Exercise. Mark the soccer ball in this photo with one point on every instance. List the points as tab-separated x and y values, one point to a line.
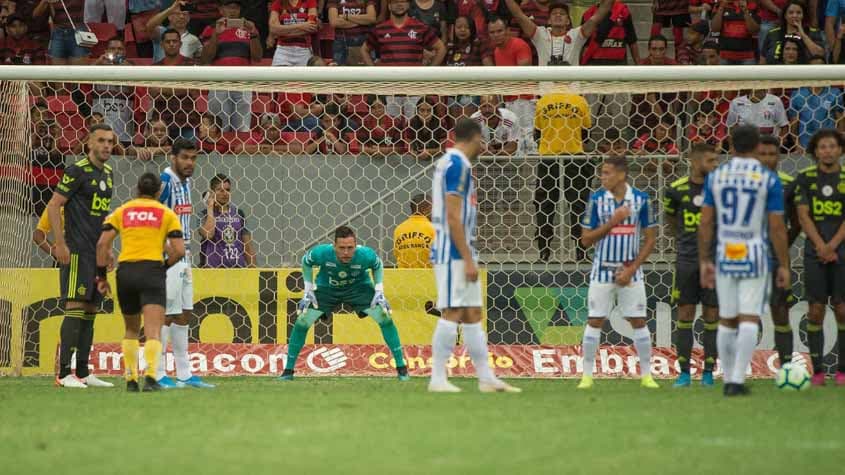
792	378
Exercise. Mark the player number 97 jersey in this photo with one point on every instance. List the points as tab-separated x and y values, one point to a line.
743	192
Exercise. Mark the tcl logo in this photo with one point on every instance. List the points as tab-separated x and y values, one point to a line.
142	217
183	209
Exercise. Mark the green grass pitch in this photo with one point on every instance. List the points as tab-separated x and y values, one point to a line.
381	426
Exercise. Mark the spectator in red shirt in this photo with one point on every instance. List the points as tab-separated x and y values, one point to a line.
511	51
707	127
690	51
293	22
507	50
674	13
737	22
17	48
380	134
659	141
401	40
211	139
657	52
351	20
232	41
612	39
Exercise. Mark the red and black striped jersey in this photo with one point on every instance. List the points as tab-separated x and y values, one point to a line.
232	46
75	8
291	15
401	45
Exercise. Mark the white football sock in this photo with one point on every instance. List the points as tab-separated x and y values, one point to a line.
476	342
746	341
589	346
726	344
442	344
642	342
161	371
179	342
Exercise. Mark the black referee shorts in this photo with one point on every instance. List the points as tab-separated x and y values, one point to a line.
141	283
687	289
823	282
77	280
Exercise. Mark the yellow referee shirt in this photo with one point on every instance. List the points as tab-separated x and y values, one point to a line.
560	118
143	224
412	241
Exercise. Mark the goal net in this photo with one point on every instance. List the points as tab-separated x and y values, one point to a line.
305	150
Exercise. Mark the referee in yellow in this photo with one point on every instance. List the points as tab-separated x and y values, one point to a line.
148	229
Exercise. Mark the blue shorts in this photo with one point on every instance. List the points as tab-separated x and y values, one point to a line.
63	45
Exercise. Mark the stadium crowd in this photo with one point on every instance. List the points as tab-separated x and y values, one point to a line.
418	33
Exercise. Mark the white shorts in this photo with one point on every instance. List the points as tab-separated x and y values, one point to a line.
291	56
631	299
747	296
180	289
453	291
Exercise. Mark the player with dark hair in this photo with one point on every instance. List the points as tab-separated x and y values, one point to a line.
768	152
819	196
344	278
743	209
682	206
619	218
147	229
83	197
455	215
176	195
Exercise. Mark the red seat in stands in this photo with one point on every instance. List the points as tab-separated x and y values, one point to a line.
61	104
104	32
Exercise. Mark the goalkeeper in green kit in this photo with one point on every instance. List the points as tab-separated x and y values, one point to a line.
344	278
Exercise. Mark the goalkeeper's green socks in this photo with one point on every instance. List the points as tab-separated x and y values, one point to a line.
391	338
295	344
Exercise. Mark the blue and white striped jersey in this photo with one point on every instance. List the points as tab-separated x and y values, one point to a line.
176	195
452	175
622	244
743	192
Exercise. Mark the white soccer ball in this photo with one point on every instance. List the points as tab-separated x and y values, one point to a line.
792	377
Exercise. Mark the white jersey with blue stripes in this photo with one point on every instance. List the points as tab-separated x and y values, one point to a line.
453	175
743	192
176	195
621	245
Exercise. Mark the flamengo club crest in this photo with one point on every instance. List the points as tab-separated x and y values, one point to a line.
698	200
412	34
827	190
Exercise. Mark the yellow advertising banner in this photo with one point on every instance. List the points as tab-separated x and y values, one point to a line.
230	306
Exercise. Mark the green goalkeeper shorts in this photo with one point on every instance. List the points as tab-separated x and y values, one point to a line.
357	297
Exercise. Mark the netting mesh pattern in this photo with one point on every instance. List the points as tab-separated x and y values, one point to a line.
15	209
302	161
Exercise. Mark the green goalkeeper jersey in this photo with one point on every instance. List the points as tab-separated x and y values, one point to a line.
336	275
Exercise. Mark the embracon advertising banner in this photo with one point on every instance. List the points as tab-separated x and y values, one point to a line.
534	318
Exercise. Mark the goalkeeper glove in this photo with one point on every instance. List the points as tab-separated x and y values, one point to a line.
309	299
379	299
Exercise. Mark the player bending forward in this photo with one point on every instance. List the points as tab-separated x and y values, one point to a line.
454	215
344	278
744	200
617	215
